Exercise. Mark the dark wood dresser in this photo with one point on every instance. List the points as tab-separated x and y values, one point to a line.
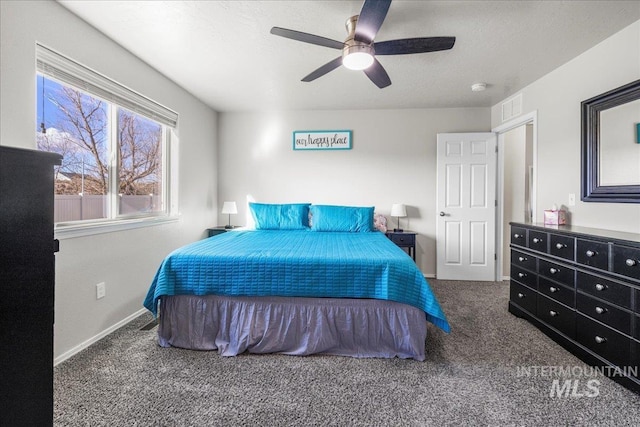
581	287
27	277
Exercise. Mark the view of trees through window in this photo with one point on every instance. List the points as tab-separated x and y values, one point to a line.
108	169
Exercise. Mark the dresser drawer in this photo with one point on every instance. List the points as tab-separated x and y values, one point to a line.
626	261
523	260
609	314
607	290
562	246
403	239
523	296
557	315
537	241
603	340
557	292
559	273
593	254
519	236
525	277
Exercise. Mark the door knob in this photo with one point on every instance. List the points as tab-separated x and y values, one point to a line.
442	214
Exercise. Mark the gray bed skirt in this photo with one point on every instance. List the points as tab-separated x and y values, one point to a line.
296	326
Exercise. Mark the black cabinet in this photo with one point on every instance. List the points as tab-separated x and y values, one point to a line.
27	275
581	287
214	231
405	239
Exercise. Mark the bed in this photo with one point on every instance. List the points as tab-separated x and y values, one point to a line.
298	286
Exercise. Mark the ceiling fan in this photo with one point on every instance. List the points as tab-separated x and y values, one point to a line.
359	49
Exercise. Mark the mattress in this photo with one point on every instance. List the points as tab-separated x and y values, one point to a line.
296	263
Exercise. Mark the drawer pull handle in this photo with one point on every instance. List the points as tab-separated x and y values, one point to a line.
553	270
553	313
600	287
590	253
515	236
560	245
600	310
630	262
536	240
521	295
553	289
522	259
600	340
521	275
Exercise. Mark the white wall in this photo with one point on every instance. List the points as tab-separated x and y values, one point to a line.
126	261
557	97
393	160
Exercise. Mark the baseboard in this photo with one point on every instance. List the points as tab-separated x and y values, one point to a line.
433	276
77	349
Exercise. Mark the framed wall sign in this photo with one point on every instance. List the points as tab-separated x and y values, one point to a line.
321	139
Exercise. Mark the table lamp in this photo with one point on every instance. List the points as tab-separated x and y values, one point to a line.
229	208
398	210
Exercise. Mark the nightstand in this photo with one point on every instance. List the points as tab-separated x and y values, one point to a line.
404	239
214	231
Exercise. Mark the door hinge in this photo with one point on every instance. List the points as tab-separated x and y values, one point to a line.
495	257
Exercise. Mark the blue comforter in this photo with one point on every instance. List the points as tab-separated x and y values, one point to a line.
296	264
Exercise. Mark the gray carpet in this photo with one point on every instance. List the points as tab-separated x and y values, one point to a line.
470	377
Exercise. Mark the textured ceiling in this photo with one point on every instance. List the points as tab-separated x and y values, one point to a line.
223	53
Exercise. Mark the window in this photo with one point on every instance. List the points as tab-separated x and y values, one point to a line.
114	143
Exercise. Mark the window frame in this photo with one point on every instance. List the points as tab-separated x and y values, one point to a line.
63	70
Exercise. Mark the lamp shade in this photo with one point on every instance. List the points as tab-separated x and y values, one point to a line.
398	210
229	208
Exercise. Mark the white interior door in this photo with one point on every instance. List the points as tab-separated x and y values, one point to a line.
466	215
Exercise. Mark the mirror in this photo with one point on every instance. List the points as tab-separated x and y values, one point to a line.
611	146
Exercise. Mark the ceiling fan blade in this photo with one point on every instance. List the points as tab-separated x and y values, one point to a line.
378	75
416	45
307	38
370	20
329	66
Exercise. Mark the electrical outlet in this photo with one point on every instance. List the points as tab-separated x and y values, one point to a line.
101	290
572	199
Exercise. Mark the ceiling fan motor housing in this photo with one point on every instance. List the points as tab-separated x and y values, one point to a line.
354	52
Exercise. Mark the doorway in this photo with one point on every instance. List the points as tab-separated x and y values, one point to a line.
517	148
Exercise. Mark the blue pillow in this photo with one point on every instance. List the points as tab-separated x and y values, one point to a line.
290	216
341	218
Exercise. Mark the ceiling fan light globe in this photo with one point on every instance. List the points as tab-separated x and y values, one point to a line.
357	60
